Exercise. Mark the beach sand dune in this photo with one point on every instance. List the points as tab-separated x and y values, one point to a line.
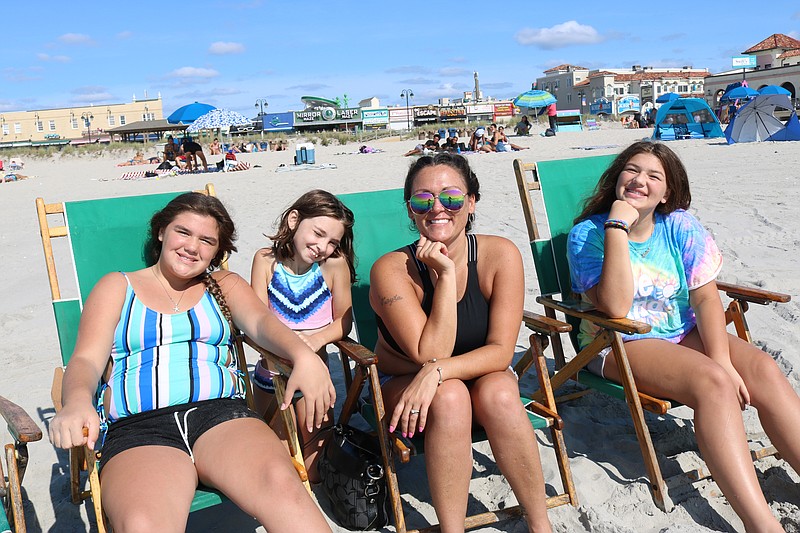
746	194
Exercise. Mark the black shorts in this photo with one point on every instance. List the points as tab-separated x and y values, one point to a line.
160	427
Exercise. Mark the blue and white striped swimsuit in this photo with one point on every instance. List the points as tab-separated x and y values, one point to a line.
161	360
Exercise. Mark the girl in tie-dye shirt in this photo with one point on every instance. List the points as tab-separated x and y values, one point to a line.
636	252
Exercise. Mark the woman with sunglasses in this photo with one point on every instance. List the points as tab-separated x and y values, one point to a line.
449	308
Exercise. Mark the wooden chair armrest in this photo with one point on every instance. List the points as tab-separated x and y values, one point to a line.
543	324
539	409
20	424
752	294
355	351
284	366
584	311
55	388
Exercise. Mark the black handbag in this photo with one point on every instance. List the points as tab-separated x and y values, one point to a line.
353	478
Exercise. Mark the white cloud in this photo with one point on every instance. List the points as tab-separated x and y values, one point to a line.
91	94
454	71
75	38
57	59
407	69
193	72
127	34
559	36
222	48
418	81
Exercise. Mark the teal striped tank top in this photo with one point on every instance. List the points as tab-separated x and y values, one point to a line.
161	360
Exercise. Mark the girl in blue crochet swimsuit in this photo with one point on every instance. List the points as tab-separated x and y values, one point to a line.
305	279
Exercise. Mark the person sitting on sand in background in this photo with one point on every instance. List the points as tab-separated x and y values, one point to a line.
192	150
477	143
523	127
174	320
313	247
448	310
636	252
215	148
172	153
503	144
430	146
451	145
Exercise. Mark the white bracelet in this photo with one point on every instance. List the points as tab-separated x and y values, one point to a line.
439	369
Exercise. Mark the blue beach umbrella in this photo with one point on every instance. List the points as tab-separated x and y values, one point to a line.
534	98
739	93
189	113
667	97
774	89
218	118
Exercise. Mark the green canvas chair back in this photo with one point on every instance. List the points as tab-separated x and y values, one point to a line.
565	185
381	225
105	235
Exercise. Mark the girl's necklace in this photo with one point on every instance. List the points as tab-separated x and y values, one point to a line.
175	305
649	245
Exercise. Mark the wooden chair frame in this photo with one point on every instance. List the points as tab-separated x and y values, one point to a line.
611	337
23	430
84	459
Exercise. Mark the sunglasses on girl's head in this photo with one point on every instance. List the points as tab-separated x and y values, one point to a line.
451	199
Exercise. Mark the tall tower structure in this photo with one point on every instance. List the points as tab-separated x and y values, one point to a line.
478	96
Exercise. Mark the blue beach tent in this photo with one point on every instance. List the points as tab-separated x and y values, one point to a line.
756	121
686	118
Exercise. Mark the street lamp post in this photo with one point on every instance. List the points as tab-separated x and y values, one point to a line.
261	103
407	93
87	119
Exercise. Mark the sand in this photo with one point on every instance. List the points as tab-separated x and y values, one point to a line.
745	194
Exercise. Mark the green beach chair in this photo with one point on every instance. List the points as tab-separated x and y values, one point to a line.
562	186
107	235
22	430
382	225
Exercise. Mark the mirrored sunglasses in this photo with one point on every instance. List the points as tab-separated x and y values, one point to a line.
451	199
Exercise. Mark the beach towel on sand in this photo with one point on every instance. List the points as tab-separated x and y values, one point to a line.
158	174
290	168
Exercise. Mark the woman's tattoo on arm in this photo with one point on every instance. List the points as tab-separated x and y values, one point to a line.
390	300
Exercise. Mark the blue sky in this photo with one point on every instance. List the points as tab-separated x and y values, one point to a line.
229	54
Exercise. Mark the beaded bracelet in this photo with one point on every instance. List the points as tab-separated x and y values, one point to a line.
615	223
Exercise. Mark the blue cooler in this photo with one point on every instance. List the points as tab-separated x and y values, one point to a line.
453	132
304	154
443	134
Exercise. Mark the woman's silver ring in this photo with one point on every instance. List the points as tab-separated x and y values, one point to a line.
415	411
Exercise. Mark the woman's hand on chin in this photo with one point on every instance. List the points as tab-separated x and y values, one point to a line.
434	254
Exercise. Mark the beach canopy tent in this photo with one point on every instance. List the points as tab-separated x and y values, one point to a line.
142	128
686	118
189	113
756	121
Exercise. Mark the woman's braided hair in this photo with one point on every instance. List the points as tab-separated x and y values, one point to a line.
204	205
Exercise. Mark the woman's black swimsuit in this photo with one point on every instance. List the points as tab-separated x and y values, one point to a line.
472	310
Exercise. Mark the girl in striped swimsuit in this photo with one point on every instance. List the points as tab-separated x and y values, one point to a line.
170	393
305	278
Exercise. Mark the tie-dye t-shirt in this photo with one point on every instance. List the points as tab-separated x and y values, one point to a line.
679	256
